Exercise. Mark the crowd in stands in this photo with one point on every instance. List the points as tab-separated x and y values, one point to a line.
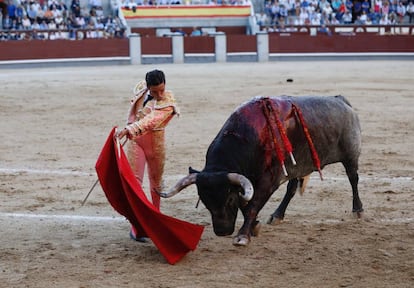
133	4
53	19
279	14
62	19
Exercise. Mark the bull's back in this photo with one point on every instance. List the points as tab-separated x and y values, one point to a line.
333	126
331	121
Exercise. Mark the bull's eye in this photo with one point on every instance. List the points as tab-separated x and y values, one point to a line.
231	199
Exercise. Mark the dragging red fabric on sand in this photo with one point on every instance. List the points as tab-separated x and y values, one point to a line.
174	238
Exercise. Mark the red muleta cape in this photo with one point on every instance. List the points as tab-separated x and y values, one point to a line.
173	237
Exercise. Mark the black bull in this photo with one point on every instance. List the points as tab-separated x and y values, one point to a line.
246	163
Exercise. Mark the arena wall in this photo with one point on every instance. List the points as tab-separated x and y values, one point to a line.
278	43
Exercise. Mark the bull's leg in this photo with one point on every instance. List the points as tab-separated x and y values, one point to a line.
352	173
251	225
279	213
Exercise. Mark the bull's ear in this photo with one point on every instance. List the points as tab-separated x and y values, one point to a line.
191	170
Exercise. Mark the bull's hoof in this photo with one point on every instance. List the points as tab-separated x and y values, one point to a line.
273	220
241	240
256	229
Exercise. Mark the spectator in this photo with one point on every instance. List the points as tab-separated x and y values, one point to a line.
368	21
304	4
119	28
35	25
315	17
114	8
274	13
59	20
283	11
11	11
40	15
363	18
357	10
327	9
334	19
55	12
392	18
80	22
377	6
290	6
27	25
410	12
48	14
393	6
75	8
52	25
61	6
385	9
131	5
349	4
95	3
336	4
347	18
62	33
196	32
91	33
366	6
282	25
32	13
384	20
20	11
321	4
340	12
358	21
374	16
262	19
43	25
35	5
401	11
16	26
7	22
324	30
304	17
110	27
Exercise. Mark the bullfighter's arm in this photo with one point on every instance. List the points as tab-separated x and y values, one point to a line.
152	121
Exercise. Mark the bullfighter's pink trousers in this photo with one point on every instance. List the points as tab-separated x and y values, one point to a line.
150	149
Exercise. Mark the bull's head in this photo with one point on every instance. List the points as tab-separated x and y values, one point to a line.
221	193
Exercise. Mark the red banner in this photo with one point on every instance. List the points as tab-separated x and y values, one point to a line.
173	237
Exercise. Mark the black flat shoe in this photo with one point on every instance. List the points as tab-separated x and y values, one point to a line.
138	239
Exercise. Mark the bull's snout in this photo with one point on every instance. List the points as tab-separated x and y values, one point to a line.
223	229
223	232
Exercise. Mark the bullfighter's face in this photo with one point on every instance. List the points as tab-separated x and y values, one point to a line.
157	91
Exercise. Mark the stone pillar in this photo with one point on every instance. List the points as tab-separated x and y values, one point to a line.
135	48
220	46
178	48
262	39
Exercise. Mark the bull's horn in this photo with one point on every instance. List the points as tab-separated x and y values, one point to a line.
186	181
244	183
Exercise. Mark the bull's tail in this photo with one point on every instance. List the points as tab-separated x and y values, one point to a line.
302	184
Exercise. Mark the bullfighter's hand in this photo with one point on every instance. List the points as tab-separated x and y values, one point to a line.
121	134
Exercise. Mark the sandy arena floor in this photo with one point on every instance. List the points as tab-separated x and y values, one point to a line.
55	120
